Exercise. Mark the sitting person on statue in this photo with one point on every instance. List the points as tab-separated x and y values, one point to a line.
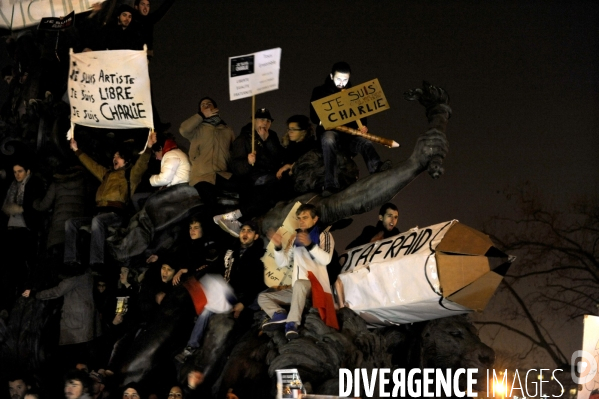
210	141
116	189
310	254
197	255
256	168
333	141
298	140
244	271
386	227
174	163
157	284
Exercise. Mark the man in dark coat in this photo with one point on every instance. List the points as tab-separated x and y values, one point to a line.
333	141
22	235
386	227
123	35
244	271
256	170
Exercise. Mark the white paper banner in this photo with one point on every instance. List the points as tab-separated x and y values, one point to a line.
110	89
274	275
253	74
411	242
17	15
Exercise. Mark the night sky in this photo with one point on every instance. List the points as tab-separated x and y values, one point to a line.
522	76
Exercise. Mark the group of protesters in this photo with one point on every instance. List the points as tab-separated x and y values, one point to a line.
57	229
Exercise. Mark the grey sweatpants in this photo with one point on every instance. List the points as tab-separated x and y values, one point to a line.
296	297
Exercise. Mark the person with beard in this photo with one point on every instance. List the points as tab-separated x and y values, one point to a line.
17	386
386	227
244	271
333	141
122	35
116	189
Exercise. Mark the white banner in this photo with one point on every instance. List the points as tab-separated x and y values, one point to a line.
15	14
110	89
274	275
253	74
410	242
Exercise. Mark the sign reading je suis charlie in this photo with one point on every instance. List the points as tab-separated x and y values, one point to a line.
351	104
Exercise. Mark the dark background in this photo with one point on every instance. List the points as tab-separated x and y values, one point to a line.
522	76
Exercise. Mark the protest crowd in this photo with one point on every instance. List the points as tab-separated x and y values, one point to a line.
69	199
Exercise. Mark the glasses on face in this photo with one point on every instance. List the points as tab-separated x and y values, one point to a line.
294	129
175	395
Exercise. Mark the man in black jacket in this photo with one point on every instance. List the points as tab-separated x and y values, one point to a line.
244	271
386	227
256	168
333	141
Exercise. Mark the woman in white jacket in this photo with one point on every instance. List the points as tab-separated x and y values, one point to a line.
174	165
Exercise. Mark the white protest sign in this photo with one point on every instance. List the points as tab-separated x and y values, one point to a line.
110	89
255	73
273	275
17	15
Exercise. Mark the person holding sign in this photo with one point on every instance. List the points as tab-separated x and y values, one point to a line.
310	254
256	169
116	188
333	141
210	140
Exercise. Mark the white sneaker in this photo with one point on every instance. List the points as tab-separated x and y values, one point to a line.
232	227
236	214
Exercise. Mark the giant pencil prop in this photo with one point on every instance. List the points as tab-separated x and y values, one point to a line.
377	139
422	274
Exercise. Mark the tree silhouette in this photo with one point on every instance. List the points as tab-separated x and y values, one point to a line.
557	271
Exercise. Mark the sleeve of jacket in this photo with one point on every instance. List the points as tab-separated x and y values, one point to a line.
284	257
188	126
139	169
65	286
323	253
44	204
239	157
168	168
95	168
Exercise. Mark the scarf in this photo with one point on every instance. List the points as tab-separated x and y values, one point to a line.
169	144
214	120
16	192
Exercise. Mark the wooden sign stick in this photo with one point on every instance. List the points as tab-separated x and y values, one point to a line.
253	122
377	139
